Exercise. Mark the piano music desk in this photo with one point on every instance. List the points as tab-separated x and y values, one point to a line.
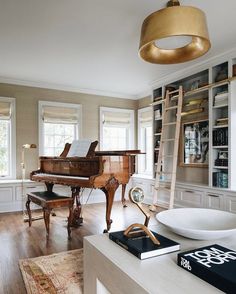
48	201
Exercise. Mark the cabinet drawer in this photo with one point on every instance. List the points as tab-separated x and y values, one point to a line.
191	198
6	194
214	201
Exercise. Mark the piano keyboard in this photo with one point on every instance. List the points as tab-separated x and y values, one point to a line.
61	176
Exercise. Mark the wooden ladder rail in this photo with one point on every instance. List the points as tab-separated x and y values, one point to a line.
165	141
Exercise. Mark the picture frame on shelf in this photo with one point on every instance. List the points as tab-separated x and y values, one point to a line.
223	154
194	143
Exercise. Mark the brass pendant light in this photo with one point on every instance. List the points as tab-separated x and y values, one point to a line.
184	25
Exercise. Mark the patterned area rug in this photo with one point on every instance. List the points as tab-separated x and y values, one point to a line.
60	273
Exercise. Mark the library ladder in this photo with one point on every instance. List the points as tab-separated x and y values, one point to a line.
171	119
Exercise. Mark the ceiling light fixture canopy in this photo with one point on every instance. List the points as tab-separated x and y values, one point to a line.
174	34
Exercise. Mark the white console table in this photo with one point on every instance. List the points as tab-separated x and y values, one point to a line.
108	268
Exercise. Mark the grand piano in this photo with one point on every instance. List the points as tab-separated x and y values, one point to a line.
105	170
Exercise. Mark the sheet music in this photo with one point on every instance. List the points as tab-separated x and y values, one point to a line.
79	148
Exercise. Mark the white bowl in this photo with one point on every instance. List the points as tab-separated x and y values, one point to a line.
199	223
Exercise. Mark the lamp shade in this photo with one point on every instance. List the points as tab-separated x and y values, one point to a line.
171	22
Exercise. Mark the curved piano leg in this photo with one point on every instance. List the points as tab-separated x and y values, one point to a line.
76	218
109	190
70	219
27	204
123	200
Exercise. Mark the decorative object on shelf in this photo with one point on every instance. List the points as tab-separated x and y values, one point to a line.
220	179
184	38
194	144
23	169
222	73
222	159
220	137
195	85
199	223
136	195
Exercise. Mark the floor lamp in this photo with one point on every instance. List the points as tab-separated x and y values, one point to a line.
23	169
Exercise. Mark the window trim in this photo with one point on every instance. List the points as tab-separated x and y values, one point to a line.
131	126
41	104
140	111
12	137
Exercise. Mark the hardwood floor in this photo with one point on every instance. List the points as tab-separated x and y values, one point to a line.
18	241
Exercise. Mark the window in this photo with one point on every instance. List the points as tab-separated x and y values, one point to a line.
116	129
145	161
7	138
59	123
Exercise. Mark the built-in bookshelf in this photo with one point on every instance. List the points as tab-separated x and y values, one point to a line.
209	96
219	171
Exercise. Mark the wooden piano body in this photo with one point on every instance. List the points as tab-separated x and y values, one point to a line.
105	170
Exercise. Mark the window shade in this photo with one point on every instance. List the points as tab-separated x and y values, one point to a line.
55	114
5	110
116	118
145	116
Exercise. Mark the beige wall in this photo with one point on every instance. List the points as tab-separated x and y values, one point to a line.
144	102
27	115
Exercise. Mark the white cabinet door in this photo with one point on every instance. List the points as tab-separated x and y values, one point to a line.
230	203
214	201
6	194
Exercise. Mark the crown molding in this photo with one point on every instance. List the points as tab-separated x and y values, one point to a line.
50	86
144	94
177	75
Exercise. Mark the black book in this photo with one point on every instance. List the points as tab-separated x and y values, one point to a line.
214	264
142	246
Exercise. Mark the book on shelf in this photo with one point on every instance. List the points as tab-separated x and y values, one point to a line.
143	247
221	95
221	99
214	264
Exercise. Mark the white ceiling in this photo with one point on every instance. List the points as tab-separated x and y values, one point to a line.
92	45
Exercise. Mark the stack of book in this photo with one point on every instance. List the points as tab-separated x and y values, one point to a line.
157	114
221	99
222	121
220	179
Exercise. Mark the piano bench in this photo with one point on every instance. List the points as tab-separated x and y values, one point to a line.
48	201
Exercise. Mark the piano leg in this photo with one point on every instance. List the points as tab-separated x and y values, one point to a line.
109	190
76	218
46	216
123	200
